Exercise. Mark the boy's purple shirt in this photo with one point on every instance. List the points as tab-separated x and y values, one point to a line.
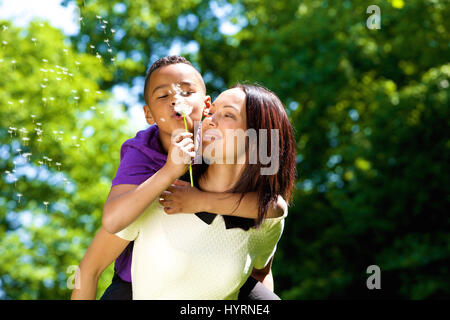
140	158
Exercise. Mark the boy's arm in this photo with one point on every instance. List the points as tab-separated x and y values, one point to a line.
181	197
102	251
126	202
264	275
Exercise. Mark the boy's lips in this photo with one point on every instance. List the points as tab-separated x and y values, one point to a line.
177	116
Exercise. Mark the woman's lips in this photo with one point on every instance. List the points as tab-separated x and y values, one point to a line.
207	136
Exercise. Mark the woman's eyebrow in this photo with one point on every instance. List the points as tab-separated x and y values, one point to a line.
233	107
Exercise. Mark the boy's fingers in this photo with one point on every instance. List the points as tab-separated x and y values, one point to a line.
181	183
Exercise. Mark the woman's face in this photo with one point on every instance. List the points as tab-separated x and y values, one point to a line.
223	131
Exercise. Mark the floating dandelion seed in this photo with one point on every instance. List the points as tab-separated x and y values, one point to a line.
18	150
33	117
112	59
13	129
46	203
76	98
10	133
21	101
58	165
65	51
44	60
112	30
43	86
58	79
98	56
106	41
110	50
40	163
18	196
13	62
25	140
5	28
77	145
98	92
86	90
5	42
93	108
104	29
45	79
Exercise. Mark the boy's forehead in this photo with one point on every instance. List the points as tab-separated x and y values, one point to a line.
176	73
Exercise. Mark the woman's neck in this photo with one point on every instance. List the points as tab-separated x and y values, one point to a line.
221	177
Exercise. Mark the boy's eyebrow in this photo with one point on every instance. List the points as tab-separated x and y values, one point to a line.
182	83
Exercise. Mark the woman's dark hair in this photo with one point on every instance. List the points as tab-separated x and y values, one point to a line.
265	111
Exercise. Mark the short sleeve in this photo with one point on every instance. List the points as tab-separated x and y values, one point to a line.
134	167
131	232
270	233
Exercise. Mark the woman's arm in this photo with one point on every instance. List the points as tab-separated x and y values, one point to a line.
181	197
102	251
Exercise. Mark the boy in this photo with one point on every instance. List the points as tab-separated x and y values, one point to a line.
146	171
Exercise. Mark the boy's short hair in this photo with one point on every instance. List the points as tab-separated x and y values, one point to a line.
164	61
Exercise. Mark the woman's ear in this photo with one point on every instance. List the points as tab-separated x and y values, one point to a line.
148	115
207	106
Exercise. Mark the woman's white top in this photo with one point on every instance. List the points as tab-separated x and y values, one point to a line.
180	256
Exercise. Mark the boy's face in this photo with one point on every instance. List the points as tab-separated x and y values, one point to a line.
161	97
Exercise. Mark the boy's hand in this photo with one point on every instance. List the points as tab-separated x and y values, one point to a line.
180	155
180	197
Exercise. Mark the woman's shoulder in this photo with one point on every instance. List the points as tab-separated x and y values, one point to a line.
279	209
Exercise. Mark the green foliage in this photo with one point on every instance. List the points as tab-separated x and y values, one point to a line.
64	141
370	110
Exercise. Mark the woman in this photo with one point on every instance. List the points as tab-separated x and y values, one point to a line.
212	257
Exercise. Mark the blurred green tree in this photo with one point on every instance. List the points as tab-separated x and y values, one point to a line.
59	151
369	109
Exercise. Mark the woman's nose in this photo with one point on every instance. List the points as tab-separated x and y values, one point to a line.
212	121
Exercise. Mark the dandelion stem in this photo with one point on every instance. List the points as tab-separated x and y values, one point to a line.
190	165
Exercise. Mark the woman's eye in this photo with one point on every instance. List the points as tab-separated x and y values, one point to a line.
162	97
228	115
187	93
